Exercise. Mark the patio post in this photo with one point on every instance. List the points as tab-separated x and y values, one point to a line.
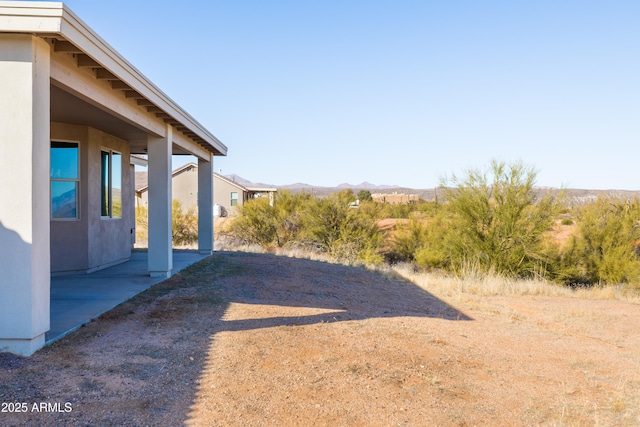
160	231
25	63
205	205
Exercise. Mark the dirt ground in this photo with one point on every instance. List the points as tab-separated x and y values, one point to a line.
255	339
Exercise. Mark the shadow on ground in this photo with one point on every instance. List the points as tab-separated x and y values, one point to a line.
140	363
353	293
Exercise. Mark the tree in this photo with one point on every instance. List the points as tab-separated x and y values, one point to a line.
605	248
184	224
364	196
498	222
270	226
348	234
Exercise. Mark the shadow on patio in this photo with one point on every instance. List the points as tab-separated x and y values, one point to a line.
78	299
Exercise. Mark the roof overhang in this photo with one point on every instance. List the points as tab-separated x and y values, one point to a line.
54	21
262	189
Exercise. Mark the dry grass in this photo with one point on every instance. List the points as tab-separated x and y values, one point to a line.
469	283
493	285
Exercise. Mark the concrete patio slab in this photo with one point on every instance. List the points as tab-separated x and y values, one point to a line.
77	299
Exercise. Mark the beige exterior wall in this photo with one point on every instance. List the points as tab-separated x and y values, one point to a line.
185	188
92	242
395	198
222	195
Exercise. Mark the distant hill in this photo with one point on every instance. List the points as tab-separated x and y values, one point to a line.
366	186
575	196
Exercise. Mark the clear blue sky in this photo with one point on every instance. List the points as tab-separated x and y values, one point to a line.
396	92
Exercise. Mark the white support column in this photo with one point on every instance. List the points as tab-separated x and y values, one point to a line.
24	193
205	205
160	251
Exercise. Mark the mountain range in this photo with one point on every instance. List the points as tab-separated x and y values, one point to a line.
575	196
426	194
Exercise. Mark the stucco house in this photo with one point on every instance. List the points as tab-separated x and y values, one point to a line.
73	112
227	194
395	198
184	186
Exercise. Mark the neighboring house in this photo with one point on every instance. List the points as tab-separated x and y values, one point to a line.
395	198
74	111
184	187
227	193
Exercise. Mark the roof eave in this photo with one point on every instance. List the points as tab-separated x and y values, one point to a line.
54	18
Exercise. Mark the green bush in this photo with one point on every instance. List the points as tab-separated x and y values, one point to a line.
435	254
184	225
255	223
269	226
330	224
423	241
605	247
344	232
399	210
408	240
497	221
364	196
142	224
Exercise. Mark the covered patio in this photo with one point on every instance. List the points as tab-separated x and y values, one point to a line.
75	111
78	299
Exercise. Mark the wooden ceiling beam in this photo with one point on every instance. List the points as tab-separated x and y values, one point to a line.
102	74
132	94
65	47
119	85
87	61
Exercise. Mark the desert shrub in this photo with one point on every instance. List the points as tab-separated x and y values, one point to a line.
372	210
566	221
142	224
400	210
289	209
423	241
497	220
184	224
604	251
421	208
364	196
255	223
258	222
427	209
323	221
346	233
410	238
435	254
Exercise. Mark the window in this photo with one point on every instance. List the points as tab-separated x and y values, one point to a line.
234	198
65	180
111	184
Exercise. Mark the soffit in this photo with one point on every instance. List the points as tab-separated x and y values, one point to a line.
70	36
